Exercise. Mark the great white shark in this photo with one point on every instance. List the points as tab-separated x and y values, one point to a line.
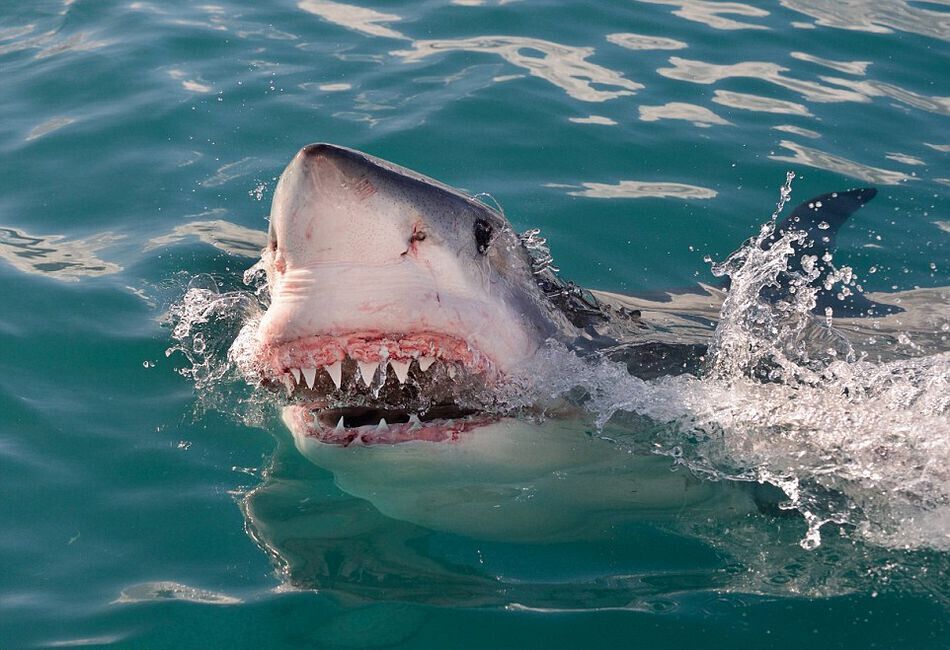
402	316
401	307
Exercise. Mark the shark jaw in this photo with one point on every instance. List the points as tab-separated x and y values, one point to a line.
366	388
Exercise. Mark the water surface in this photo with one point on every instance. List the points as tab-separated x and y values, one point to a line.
140	146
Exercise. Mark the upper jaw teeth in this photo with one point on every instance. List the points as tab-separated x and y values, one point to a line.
335	370
401	368
366	370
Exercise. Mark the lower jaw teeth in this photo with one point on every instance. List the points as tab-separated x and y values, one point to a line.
368	421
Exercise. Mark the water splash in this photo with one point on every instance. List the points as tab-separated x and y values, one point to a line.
783	398
207	326
849	441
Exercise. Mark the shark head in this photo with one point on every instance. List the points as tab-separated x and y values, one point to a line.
398	304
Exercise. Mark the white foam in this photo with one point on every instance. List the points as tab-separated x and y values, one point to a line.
849	440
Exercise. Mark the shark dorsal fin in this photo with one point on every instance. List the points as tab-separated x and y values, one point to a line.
820	218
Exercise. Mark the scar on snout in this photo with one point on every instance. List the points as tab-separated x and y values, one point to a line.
418	235
364	189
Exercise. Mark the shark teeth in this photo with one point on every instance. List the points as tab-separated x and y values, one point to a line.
401	368
335	370
367	371
309	375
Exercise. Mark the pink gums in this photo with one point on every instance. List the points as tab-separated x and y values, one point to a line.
318	351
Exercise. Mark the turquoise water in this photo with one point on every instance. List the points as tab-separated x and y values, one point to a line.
139	512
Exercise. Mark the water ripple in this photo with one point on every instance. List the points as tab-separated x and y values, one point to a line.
848	67
697	115
230	171
904	158
700	72
593	119
191	85
630	189
876	17
358	19
167	590
758	103
562	65
712	13
55	256
50	125
12	33
223	235
641	42
871	88
797	130
815	158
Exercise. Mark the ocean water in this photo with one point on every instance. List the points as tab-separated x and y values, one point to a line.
151	498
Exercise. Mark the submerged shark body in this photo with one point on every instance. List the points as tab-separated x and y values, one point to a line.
402	308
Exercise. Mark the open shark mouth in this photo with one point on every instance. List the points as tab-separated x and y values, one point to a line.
369	388
366	426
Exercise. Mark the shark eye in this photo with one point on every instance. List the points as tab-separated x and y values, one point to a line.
483	235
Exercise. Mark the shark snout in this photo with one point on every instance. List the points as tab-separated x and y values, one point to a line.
328	208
